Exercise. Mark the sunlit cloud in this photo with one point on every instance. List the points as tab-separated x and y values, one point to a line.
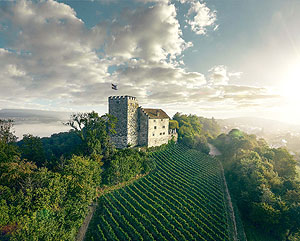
201	17
54	61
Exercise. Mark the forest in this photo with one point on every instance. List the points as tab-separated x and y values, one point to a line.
264	184
47	184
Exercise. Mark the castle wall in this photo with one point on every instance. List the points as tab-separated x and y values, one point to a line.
132	124
118	108
158	132
143	128
125	109
173	135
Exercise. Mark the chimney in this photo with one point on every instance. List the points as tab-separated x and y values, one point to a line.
157	113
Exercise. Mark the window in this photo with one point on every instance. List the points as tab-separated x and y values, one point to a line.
154	121
160	133
164	126
154	127
164	133
153	134
161	119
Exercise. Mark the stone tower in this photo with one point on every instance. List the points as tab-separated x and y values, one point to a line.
125	108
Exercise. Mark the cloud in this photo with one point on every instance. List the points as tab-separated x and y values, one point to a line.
152	34
53	60
202	17
52	53
235	74
218	75
151	1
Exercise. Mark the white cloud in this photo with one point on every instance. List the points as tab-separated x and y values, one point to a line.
152	34
52	55
13	71
235	74
52	59
202	17
151	1
218	75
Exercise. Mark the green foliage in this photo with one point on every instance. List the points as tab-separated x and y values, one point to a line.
6	132
32	150
39	204
284	163
195	131
94	133
60	146
173	124
126	164
262	181
46	205
8	150
45	189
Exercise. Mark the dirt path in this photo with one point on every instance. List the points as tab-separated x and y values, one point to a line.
82	231
92	208
213	151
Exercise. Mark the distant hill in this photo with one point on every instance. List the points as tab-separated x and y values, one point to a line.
276	133
27	116
255	123
36	122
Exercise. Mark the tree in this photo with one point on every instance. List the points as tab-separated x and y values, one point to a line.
262	181
32	149
195	131
294	220
284	163
173	124
6	132
8	150
94	132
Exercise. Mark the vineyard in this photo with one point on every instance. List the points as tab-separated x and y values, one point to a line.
183	199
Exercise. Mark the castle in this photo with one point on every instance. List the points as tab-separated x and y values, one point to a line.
137	126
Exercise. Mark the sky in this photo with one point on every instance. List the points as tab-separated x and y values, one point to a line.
211	58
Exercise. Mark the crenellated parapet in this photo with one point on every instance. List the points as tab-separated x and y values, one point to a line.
137	125
125	108
122	97
143	111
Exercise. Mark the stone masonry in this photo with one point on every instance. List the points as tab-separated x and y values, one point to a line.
137	126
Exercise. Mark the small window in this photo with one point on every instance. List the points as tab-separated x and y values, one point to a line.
154	121
161	119
154	127
164	126
163	133
160	133
153	134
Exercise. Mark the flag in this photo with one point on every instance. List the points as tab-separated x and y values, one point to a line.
114	87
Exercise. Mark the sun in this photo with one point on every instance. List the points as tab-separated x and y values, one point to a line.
291	86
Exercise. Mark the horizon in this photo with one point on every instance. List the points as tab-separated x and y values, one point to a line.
209	58
31	121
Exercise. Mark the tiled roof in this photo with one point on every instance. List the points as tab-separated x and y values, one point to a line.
156	113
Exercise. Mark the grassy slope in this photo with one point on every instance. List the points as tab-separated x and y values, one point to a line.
182	199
